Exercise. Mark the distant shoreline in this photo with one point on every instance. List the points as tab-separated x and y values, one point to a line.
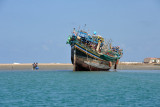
42	66
68	66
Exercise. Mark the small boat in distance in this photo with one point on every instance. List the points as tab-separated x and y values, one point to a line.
92	53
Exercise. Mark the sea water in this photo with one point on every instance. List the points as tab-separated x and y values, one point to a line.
80	89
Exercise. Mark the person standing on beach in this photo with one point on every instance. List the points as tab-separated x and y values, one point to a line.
35	66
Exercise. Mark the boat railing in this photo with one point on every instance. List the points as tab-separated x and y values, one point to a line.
91	47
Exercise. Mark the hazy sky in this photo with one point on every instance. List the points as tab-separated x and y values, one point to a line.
37	30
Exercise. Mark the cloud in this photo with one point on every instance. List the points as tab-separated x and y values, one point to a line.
45	47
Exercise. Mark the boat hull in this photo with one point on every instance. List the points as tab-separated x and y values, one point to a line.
84	60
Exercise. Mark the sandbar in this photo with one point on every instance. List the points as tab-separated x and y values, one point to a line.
68	66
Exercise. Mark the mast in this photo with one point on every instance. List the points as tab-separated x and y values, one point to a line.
99	43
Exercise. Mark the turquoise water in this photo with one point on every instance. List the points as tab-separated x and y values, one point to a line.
80	89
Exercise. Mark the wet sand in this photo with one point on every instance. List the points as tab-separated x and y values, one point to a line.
140	66
42	66
53	66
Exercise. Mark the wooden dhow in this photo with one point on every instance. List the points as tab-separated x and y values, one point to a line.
92	53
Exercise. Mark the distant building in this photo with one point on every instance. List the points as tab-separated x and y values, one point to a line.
152	60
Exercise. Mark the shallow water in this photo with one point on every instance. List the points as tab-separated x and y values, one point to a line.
80	89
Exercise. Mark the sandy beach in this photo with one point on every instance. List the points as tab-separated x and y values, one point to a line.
42	66
138	66
54	66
